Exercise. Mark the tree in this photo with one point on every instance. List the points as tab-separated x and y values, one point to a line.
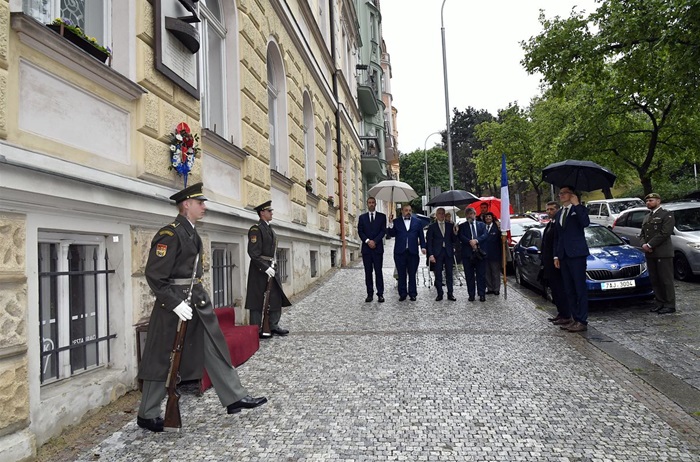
628	74
464	145
413	171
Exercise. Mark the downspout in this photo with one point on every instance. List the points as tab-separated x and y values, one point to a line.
338	141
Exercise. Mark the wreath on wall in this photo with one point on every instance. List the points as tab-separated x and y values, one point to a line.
183	149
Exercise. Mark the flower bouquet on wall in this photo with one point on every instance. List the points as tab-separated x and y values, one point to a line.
183	149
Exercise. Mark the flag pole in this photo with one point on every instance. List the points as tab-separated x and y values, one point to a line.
505	221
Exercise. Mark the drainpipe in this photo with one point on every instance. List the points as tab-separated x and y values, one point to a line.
338	141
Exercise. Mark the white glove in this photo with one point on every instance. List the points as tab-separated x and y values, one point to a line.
270	272
183	311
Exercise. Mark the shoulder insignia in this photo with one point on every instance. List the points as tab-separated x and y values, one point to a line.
161	250
174	224
254	238
166	232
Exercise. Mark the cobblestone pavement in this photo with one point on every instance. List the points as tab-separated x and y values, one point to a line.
424	381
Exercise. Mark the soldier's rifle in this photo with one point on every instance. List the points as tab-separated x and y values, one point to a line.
173	421
266	299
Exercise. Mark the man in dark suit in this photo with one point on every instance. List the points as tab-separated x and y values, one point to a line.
169	269
441	237
471	234
371	227
570	254
551	276
408	232
657	229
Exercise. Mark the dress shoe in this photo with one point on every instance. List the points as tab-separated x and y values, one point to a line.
368	299
402	298
438	298
489	292
155	425
482	298
413	299
279	331
657	308
247	402
451	298
567	325
562	321
578	327
380	298
666	310
497	293
263	335
555	318
471	299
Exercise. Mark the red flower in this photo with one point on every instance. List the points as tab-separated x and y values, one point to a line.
182	126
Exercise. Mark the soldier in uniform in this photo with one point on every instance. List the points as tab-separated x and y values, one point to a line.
657	229
169	273
262	245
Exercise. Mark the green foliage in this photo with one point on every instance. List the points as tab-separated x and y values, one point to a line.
413	171
67	24
465	144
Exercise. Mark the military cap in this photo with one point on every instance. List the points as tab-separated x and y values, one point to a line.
652	196
190	192
264	206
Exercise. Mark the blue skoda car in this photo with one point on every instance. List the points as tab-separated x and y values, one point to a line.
615	269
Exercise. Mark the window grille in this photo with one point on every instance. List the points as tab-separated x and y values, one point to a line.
313	258
282	264
222	277
333	252
73	308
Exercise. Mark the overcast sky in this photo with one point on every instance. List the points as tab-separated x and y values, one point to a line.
483	58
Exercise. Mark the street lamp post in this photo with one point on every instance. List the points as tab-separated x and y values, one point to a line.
425	153
447	98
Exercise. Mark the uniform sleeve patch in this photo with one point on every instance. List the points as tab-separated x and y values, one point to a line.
161	250
166	232
253	238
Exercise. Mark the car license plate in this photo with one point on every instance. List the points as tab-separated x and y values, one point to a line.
617	284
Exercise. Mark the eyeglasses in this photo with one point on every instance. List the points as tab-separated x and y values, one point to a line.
564	193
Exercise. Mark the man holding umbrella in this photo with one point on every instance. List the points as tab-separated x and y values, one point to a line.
408	232
570	254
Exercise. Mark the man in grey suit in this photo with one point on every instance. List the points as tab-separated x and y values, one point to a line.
657	229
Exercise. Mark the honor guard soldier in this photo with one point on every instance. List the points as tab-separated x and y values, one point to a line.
169	273
262	248
657	229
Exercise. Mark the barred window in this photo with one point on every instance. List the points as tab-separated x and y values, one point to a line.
73	305
282	264
222	269
313	263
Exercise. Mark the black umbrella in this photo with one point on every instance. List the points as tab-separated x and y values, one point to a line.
582	175
453	197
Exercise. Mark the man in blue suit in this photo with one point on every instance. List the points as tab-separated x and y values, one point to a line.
570	254
441	238
471	234
371	228
408	232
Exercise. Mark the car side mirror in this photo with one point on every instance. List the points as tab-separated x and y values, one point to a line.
625	239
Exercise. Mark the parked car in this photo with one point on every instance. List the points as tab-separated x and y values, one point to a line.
686	235
518	227
615	269
605	211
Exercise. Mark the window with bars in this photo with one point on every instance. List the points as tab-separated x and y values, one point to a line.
313	263
222	270
282	264
73	305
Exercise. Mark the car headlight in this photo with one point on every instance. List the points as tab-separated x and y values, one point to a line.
694	245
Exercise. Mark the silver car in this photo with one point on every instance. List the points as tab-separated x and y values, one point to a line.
686	234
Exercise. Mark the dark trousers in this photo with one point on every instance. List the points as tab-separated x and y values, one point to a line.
407	265
573	274
442	260
661	275
373	262
475	274
553	281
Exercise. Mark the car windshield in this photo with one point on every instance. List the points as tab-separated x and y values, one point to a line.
687	219
600	236
621	206
518	228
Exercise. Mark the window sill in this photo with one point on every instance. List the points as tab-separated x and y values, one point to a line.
280	181
37	36
221	144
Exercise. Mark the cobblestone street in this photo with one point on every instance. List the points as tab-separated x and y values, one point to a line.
421	381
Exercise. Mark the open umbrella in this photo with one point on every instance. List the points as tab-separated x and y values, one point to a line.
392	191
453	197
582	175
494	204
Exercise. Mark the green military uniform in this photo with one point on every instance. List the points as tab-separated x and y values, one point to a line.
168	272
657	229
262	243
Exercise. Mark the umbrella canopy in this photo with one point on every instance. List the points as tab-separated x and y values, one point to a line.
582	175
392	191
453	197
494	204
424	219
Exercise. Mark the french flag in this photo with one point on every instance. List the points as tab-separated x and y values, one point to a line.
505	199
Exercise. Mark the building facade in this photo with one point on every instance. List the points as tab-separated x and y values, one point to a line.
269	87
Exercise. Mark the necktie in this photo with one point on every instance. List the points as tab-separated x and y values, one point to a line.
371	217
488	229
473	230
564	215
442	227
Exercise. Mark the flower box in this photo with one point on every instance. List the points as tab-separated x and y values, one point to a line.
79	41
